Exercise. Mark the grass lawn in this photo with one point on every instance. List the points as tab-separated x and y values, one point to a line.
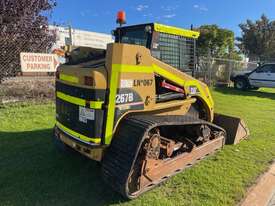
33	172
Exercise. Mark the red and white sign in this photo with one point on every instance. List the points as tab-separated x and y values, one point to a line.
38	62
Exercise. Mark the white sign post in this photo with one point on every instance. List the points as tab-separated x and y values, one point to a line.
38	62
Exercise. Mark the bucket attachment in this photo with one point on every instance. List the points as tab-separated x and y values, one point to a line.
235	127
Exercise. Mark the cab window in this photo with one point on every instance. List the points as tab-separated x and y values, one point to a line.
177	51
270	68
136	36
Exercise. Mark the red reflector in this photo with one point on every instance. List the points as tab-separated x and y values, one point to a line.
89	81
171	87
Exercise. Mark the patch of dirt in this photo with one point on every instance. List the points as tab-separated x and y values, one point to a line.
27	88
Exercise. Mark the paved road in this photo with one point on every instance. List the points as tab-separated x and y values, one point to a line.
260	194
272	201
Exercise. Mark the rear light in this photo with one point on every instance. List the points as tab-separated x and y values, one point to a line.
89	81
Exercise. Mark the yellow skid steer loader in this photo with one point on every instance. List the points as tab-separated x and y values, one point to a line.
136	108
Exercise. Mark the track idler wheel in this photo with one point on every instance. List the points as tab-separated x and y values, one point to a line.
153	147
204	133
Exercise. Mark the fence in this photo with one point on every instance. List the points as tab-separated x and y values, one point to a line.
12	44
218	71
209	70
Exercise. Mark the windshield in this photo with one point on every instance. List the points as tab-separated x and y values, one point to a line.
132	36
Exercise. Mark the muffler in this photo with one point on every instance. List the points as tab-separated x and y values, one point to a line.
235	127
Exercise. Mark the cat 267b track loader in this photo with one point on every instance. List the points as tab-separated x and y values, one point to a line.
136	108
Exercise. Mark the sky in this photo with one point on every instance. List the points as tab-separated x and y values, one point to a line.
100	15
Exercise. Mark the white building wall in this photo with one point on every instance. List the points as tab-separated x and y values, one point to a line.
81	38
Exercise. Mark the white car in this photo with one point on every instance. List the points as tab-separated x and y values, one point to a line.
263	76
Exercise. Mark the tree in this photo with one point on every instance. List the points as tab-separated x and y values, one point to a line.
258	39
23	28
217	42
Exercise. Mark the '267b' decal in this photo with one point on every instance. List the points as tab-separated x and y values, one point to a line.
124	98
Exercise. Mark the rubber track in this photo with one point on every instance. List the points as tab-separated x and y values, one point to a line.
121	155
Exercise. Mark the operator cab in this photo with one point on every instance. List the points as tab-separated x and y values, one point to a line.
172	45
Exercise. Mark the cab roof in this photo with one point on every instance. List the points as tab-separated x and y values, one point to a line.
168	30
176	31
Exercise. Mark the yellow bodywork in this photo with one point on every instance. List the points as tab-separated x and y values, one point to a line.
124	66
128	63
176	31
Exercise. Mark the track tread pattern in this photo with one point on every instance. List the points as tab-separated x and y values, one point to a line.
124	149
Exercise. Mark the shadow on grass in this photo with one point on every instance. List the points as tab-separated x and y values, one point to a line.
255	93
33	172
